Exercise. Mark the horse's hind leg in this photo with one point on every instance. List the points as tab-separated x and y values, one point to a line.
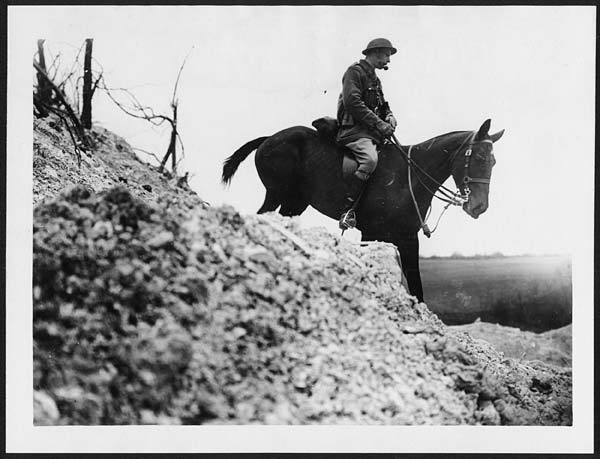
271	202
293	207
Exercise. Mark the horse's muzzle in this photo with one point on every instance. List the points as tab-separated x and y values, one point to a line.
475	211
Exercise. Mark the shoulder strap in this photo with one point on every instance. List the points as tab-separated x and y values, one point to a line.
365	67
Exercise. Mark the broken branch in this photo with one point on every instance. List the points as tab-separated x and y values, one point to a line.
63	101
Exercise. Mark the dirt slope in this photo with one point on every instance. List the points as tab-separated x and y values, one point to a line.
151	307
552	347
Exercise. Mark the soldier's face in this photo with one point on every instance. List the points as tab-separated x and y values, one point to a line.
382	58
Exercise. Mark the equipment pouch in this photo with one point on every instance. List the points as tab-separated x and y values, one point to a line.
371	97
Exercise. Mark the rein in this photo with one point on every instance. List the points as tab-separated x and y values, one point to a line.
451	198
424	226
446	192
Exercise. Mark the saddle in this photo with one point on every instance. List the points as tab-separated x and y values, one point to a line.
327	127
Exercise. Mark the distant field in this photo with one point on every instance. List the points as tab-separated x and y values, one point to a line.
529	292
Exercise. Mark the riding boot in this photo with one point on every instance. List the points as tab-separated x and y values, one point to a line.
354	189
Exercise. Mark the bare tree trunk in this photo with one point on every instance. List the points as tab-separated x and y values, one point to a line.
174	139
86	111
44	91
172	143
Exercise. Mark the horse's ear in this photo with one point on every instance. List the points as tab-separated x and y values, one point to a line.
483	130
497	135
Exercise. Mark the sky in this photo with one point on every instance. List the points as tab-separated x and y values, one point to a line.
252	71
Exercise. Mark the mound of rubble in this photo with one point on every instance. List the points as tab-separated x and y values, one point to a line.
151	307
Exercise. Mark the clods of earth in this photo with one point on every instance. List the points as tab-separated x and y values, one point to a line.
151	307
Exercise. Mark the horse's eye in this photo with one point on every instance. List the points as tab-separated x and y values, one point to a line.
485	158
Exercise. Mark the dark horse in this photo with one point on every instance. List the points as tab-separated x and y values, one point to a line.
300	167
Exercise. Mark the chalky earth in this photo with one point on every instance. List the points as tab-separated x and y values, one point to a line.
152	307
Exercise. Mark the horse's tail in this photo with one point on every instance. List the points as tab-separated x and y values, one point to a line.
231	164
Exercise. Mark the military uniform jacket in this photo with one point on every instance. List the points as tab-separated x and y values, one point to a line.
362	108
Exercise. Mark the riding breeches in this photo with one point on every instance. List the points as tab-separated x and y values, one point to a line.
365	152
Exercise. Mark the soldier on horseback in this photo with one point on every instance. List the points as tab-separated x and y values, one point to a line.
365	120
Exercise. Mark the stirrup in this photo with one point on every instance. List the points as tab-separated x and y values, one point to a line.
348	220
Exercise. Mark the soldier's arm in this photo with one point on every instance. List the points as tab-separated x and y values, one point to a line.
353	103
388	110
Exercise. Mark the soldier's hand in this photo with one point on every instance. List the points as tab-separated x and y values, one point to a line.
391	120
386	129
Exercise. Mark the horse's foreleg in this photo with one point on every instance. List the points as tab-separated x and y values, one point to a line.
409	255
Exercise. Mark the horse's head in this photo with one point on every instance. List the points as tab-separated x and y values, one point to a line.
472	169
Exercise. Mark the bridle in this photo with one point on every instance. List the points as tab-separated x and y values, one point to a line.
467	178
456	198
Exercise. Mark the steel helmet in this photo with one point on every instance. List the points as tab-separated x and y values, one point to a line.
379	43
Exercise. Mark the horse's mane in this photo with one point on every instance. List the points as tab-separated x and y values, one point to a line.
433	139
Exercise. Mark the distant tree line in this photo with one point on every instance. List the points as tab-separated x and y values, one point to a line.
460	256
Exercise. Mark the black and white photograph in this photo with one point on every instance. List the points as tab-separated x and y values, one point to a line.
244	228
